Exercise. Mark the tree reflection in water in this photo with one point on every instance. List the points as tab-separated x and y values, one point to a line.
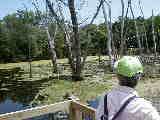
16	93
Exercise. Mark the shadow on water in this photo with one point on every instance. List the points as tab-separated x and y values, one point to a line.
16	94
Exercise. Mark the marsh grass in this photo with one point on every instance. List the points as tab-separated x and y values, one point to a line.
55	86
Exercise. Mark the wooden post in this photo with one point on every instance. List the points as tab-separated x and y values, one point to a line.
75	112
79	111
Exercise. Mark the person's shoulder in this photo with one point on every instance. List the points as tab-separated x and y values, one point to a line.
141	105
148	110
143	108
143	102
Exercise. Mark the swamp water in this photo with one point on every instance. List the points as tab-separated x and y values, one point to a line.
17	93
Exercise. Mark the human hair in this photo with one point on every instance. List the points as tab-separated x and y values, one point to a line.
128	81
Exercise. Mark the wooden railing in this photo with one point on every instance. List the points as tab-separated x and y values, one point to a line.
79	111
75	110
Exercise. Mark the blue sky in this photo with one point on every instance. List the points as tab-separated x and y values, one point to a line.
10	6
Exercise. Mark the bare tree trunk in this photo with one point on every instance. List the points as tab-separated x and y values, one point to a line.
51	44
30	59
109	34
73	48
51	40
67	38
146	39
122	29
135	23
77	72
69	50
145	34
123	34
75	61
29	51
137	36
154	37
98	9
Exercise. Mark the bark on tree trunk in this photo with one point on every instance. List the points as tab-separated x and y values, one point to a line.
67	41
143	24
69	51
154	37
122	30
30	59
135	23
51	44
77	49
51	40
137	36
74	63
146	40
109	29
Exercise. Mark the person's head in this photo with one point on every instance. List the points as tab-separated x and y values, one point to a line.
129	70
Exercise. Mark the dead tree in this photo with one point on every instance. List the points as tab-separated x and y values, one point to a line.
137	31
52	49
154	37
122	29
72	40
74	60
109	33
76	40
144	28
51	39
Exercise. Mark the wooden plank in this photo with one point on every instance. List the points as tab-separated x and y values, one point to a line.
78	115
37	111
82	106
77	110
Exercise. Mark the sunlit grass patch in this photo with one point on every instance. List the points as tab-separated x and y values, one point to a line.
56	86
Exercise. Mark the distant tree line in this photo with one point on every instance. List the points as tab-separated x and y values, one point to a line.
21	30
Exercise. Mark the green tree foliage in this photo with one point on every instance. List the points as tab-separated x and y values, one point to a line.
18	29
4	44
98	39
130	33
157	32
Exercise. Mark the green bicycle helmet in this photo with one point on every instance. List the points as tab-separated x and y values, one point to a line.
128	66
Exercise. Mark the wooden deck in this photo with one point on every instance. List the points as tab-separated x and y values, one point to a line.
76	111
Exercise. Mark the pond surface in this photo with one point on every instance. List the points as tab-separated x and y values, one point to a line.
10	106
17	94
